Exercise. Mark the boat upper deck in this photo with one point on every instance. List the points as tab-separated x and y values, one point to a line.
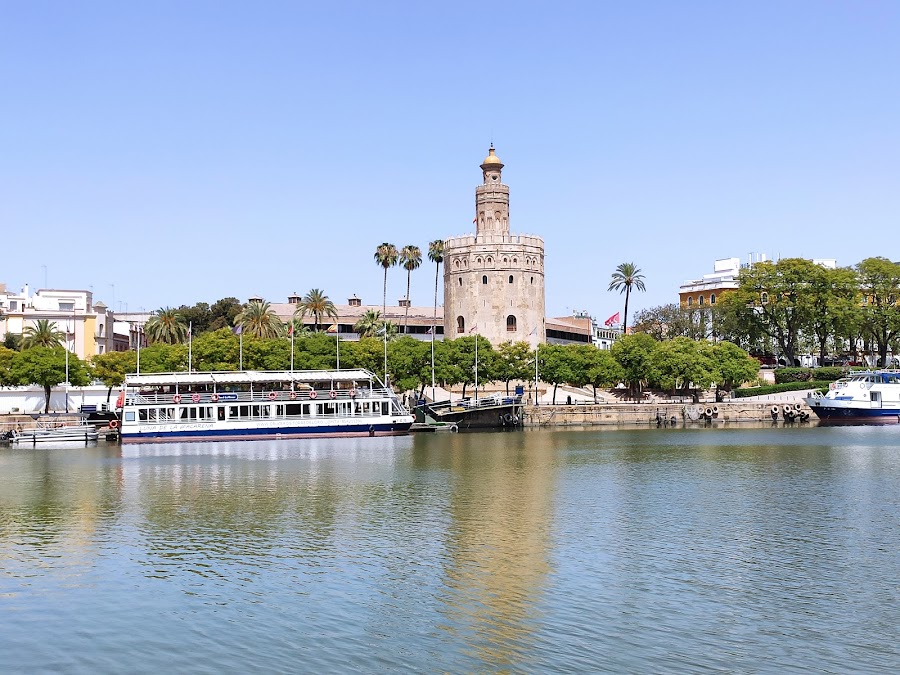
249	378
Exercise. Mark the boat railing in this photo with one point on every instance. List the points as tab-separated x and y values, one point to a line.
273	396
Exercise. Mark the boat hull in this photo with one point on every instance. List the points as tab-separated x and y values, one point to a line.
270	433
851	410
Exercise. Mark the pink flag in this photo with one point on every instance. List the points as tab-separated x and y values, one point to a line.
614	319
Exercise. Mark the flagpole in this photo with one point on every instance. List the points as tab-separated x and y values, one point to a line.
292	348
432	362
337	338
385	355
241	348
536	374
476	367
190	342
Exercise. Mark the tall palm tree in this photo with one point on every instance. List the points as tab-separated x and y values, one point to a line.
386	256
315	302
369	323
435	255
42	334
166	325
260	320
410	259
626	276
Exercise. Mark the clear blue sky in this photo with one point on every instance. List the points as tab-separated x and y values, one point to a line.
187	151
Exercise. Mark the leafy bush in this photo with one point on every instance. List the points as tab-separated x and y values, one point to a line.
785	375
829	373
779	388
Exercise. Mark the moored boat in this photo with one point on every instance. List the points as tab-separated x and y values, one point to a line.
864	395
67	433
236	405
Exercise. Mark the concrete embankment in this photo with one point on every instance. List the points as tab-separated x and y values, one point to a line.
649	413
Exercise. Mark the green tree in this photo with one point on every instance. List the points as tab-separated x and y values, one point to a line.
112	367
732	366
463	352
410	259
834	296
555	366
216	350
223	313
774	299
46	367
665	322
369	323
43	333
515	361
166	326
197	317
409	362
386	256
317	304
681	364
435	255
626	277
13	341
260	320
633	353
160	357
880	284
7	358
603	370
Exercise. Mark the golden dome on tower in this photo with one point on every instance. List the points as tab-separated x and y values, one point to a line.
491	160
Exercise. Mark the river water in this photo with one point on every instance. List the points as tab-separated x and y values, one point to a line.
741	550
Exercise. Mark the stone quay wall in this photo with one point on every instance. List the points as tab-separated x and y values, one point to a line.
647	413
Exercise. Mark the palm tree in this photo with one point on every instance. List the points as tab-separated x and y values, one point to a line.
435	255
260	320
410	259
369	323
167	326
42	334
626	276
386	256
315	302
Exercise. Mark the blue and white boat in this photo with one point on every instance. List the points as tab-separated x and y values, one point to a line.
864	395
236	405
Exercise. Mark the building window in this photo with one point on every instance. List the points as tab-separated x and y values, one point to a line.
700	300
460	281
66	306
690	302
484	278
13	305
532	279
764	298
712	298
511	324
510	278
460	325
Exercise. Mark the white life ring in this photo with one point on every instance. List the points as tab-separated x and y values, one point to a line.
831	385
114	424
176	398
293	395
333	393
195	398
273	395
312	393
353	393
214	398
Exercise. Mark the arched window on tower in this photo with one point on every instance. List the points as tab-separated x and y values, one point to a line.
510	278
690	302
460	325
484	278
511	324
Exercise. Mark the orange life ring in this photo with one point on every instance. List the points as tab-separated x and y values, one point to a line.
273	395
312	393
195	398
114	424
293	395
176	398
333	394
214	398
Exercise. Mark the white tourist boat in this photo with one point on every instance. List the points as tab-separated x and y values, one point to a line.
245	404
864	395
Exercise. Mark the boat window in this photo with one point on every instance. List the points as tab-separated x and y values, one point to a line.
129	416
221	414
142	414
265	411
306	410
384	408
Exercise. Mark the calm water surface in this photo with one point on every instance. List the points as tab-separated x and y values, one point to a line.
624	551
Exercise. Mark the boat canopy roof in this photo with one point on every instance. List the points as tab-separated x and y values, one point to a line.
247	377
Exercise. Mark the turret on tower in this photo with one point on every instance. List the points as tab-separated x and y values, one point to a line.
492	198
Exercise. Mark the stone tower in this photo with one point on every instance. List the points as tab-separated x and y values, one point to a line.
494	280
